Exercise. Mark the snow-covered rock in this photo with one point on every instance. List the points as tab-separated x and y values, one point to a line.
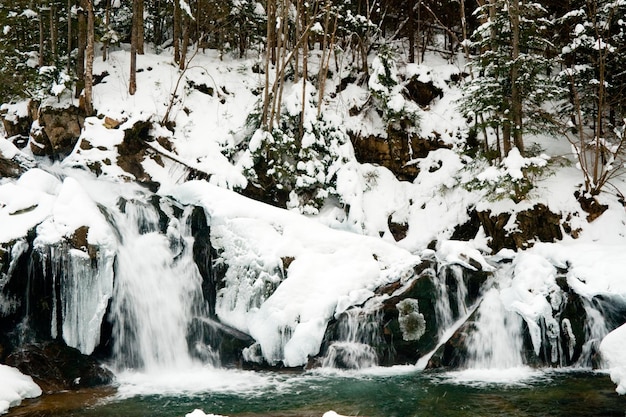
14	387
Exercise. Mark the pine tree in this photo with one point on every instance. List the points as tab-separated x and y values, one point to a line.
511	68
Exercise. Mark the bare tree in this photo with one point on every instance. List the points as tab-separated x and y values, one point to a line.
132	85
88	6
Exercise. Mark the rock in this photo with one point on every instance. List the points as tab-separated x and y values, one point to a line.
422	93
398	230
110	123
17	120
56	367
57	131
133	150
591	206
537	223
393	151
9	168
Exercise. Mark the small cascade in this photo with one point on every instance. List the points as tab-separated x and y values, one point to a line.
451	296
358	331
496	342
596	328
158	291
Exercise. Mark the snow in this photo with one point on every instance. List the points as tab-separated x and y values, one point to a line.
338	256
329	268
612	349
14	387
200	413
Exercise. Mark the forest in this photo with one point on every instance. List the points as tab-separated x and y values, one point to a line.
198	195
532	67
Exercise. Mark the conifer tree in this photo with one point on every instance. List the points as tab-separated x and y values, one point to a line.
511	68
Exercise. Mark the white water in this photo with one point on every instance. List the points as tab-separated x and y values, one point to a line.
443	307
358	331
157	290
497	340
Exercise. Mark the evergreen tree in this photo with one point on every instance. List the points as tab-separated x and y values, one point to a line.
512	71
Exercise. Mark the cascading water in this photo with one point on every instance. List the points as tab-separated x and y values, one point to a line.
596	329
158	291
496	342
358	332
449	305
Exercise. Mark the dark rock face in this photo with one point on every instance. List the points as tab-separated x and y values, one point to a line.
538	223
17	128
407	324
393	152
9	168
58	132
422	93
55	367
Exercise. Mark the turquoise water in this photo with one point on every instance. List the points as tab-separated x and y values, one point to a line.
381	393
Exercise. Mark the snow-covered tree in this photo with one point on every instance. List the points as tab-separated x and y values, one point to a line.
596	83
512	80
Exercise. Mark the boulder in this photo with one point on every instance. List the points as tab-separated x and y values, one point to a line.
537	223
57	131
56	367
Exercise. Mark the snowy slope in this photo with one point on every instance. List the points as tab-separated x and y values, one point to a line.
337	258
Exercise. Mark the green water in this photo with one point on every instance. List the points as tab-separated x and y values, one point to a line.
405	394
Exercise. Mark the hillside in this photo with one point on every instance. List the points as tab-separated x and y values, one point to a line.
351	233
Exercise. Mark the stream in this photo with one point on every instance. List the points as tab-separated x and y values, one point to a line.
377	392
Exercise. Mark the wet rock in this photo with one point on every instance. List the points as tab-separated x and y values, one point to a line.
216	343
55	367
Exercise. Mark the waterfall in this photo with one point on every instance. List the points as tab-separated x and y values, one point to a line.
451	293
158	291
596	329
496	342
358	332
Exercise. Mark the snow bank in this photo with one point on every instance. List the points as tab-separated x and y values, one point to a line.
612	350
14	387
287	311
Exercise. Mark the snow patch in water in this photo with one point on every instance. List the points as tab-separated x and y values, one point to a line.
194	380
518	376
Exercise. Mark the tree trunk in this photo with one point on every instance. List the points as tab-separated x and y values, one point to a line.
185	45
176	31
515	114
107	21
140	27
54	32
132	85
80	57
410	28
42	37
88	6
69	36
